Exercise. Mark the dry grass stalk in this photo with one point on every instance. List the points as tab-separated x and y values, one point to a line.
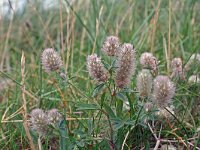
61	31
154	22
169	38
25	116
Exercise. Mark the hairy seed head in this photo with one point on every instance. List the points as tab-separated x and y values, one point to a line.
163	91
54	117
177	70
111	45
51	61
125	65
39	121
144	83
96	68
147	60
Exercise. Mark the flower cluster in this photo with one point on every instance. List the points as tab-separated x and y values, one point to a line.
111	45
148	61
163	91
96	68
144	83
40	120
125	65
51	61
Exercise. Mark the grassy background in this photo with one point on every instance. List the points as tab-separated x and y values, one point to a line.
169	29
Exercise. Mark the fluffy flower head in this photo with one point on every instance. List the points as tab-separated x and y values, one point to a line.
96	68
147	60
144	83
54	116
39	121
163	91
125	65
51	61
177	70
111	45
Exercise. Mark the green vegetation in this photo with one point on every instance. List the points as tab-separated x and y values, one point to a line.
98	115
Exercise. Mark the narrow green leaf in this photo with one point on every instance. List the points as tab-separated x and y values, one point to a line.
84	106
122	97
117	123
64	138
109	111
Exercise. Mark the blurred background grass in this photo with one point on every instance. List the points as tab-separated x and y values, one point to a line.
77	28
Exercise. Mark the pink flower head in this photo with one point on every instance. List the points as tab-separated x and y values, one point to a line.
96	68
163	91
177	70
39	121
147	60
144	83
111	45
51	61
125	65
54	116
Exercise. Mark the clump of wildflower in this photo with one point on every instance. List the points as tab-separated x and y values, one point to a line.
144	83
147	60
195	58
163	91
39	121
51	61
96	68
111	45
177	70
194	79
54	117
125	65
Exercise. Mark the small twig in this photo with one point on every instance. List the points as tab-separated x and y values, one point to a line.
154	22
25	116
12	121
155	136
175	141
39	143
169	141
158	140
157	144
